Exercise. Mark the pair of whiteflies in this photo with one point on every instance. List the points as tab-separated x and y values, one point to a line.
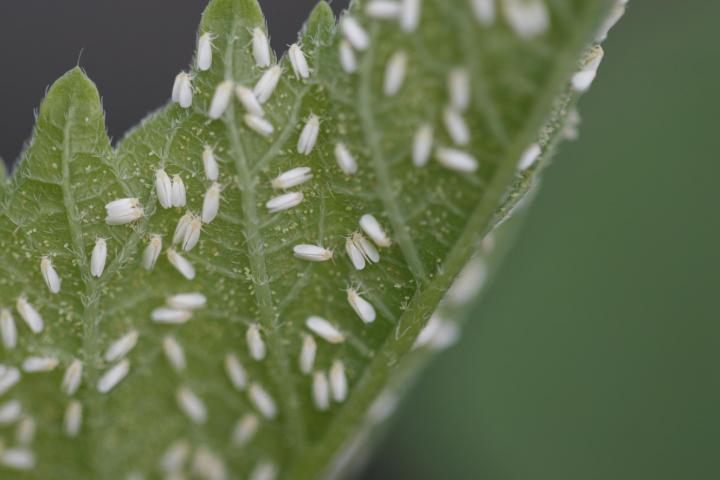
31	317
357	247
179	308
333	385
170	192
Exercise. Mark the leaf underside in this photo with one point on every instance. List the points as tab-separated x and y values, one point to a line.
54	206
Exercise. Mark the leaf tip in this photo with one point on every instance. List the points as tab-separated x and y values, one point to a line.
320	22
248	10
73	84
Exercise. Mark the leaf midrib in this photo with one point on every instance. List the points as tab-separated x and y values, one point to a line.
278	358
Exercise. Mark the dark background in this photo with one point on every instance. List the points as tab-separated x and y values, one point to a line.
132	50
595	353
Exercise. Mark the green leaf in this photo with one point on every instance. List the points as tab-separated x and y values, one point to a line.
54	211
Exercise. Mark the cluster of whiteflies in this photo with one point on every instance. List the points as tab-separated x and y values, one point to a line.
408	13
527	18
22	457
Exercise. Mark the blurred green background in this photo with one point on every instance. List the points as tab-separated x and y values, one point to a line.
594	354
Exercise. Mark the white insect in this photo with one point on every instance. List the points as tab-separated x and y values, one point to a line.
446	336
175	458
152	252
204	51
98	257
338	381
468	283
210	163
321	391
72	378
383	9
361	250
309	135
354	33
307	354
374	230
324	329
31	316
178	196
284	201
245	429
174	354
437	334
484	11
366	248
8	331
348	60
192	234
395	72
170	316
211	203
264	471
362	307
124	210
40	364
298	61
182	92
208	466
258	124
528	18
261	48
163	188
582	80
458	84
345	159
191	405
73	418
265	87
113	376
249	101
312	253
383	407
356	256
456	160
456	126
292	178
9	377
255	343
25	432
570	130
10	412
409	15
221	99
181	264
422	145
428	332
529	157
187	301
49	274
122	346
235	371
262	401
181	227
18	458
